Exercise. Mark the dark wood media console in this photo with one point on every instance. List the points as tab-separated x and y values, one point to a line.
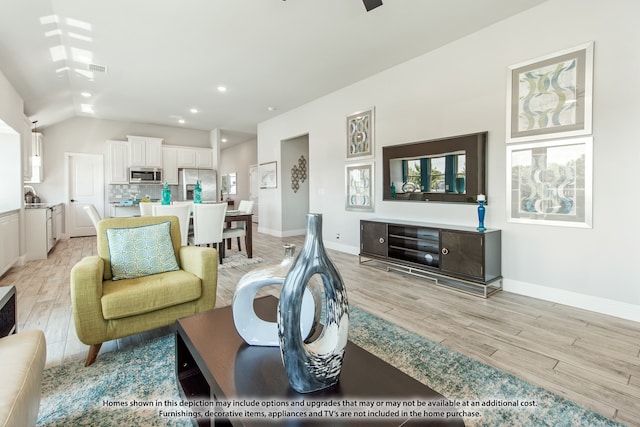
455	256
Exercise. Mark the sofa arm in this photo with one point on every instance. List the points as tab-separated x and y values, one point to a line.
203	262
22	361
86	292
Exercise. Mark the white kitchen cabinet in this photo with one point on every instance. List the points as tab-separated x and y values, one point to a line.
170	165
145	151
39	228
118	170
58	221
204	158
186	157
198	158
9	240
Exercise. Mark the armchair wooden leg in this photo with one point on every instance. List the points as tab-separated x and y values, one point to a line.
93	354
239	248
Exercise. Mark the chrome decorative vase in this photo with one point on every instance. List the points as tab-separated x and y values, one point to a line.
259	332
317	364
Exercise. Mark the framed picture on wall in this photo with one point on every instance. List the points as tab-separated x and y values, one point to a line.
268	175
550	182
551	96
360	133
359	185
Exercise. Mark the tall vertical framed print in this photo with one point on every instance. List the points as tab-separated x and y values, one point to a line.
551	96
360	133
359	187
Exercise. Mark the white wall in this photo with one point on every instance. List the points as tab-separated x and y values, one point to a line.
238	158
460	89
12	114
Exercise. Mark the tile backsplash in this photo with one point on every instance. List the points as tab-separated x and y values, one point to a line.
119	192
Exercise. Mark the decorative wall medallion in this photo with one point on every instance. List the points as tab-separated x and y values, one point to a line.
298	174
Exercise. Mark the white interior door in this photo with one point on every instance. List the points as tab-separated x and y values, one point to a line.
254	188
86	186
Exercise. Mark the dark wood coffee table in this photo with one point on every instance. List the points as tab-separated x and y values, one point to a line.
214	363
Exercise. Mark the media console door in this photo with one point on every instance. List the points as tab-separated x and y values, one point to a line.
373	238
462	253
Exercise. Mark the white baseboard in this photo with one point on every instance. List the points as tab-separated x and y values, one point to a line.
353	250
610	307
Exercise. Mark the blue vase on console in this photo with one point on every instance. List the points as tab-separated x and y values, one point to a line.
481	212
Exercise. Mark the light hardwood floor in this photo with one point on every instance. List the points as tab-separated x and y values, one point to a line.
589	358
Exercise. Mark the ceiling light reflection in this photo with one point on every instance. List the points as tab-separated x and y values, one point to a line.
78	24
52	33
58	53
81	55
50	19
80	37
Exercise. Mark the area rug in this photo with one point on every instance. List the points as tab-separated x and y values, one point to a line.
238	260
116	390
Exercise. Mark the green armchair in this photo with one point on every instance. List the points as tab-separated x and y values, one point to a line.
105	309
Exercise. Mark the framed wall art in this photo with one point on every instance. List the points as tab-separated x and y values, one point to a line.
268	175
551	96
551	182
359	185
360	133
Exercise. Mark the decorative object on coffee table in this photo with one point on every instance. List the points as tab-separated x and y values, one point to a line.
316	364
253	329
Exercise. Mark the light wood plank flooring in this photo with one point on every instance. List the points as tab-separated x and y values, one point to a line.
591	359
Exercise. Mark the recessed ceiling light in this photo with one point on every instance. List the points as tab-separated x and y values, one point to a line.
194	110
222	89
224	139
271	108
181	121
86	108
86	94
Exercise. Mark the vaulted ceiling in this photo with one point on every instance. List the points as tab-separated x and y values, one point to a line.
153	61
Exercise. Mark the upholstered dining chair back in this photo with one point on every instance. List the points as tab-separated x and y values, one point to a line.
183	212
240	228
93	214
146	208
246	206
208	222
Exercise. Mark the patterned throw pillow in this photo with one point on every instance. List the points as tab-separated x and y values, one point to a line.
141	251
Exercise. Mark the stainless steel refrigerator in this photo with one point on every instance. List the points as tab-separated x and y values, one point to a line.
187	182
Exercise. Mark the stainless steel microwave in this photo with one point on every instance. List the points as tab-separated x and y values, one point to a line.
145	176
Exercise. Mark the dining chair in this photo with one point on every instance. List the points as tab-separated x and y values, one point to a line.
146	208
208	221
183	212
240	230
93	214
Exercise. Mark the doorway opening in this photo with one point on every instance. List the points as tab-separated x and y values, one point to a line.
295	174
